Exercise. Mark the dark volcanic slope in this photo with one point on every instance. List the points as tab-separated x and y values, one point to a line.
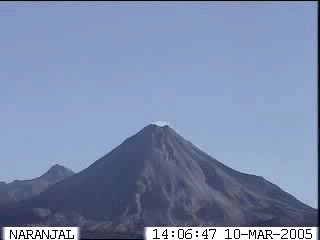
158	178
23	189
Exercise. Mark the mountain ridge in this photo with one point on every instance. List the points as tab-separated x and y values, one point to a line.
157	178
19	190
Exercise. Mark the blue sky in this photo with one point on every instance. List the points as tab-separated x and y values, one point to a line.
237	79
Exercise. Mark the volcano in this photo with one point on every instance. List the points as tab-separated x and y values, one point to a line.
157	178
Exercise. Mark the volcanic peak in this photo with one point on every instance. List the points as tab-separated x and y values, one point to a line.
160	123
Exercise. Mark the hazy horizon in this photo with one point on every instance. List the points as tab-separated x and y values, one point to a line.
238	80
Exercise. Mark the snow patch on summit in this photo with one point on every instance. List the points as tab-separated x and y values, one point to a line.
160	123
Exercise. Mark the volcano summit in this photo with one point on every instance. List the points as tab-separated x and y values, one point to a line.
157	178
